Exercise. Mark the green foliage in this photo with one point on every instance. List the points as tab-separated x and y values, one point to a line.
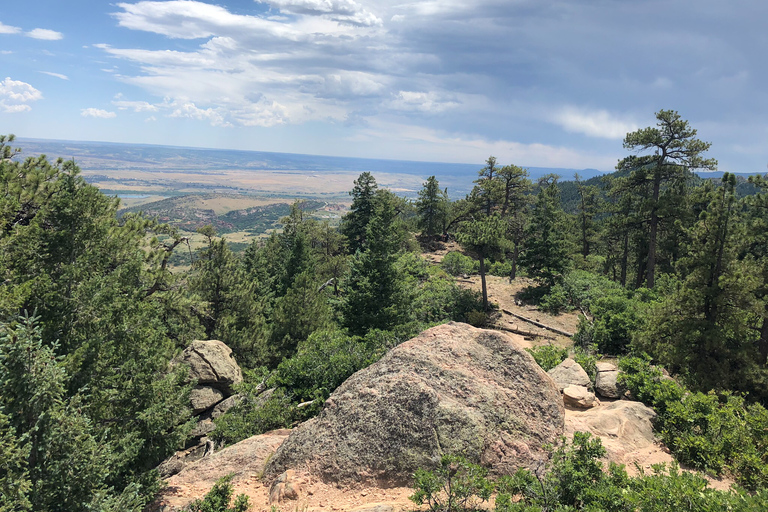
376	297
574	480
546	251
714	433
355	224
456	485
500	268
587	360
432	207
548	356
456	264
322	363
254	414
555	301
219	498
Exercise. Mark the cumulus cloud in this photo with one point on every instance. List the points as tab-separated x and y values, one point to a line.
98	113
44	34
7	29
597	123
15	96
55	75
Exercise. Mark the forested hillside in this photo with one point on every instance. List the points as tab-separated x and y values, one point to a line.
666	269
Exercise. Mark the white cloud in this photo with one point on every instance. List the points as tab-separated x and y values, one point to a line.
598	123
192	111
15	96
7	29
421	101
150	119
56	75
343	11
136	106
44	34
98	113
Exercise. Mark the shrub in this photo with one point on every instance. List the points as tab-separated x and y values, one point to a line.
456	264
548	356
456	485
218	499
555	301
500	268
711	432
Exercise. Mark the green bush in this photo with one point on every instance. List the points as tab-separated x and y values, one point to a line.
555	301
456	485
548	356
255	415
438	299
715	433
218	499
500	268
587	360
456	264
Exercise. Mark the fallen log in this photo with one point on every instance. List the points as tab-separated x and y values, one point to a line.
539	324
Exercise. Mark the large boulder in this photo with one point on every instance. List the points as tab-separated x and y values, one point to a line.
569	373
452	389
211	363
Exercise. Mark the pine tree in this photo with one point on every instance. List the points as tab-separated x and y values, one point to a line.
355	224
374	295
546	255
676	152
432	206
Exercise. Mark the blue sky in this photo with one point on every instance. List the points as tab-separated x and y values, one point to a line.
533	82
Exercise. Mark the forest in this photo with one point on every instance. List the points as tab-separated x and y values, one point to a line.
669	272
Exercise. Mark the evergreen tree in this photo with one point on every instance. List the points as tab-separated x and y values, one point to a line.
375	298
355	224
588	209
516	186
484	237
676	152
546	255
432	206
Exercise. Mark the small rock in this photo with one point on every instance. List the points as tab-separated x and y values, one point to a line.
569	372
606	384
580	397
286	487
204	397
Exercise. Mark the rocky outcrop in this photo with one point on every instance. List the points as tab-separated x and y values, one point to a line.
569	373
452	389
625	428
245	459
213	368
606	381
211	363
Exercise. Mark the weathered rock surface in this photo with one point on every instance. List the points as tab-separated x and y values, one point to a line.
624	427
606	381
245	459
225	405
579	397
453	388
211	362
568	373
287	487
205	397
